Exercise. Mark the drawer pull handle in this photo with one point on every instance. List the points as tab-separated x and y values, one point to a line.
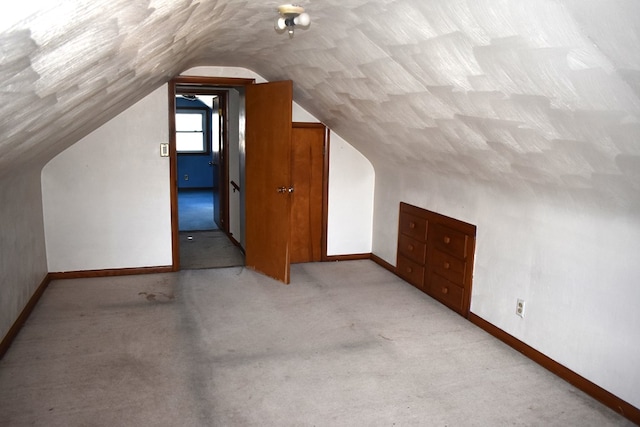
409	270
445	290
412	225
446	265
446	239
410	247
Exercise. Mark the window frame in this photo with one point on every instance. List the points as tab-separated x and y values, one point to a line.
205	113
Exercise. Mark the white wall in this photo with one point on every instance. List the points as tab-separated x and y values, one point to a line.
107	204
23	262
351	189
235	136
106	198
575	266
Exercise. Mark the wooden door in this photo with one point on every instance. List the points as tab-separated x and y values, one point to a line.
268	178
307	175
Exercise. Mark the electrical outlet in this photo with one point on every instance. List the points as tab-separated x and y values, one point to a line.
520	308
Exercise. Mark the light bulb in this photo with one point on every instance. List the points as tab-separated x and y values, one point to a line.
303	20
281	24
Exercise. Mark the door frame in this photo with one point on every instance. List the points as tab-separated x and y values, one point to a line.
200	82
195	85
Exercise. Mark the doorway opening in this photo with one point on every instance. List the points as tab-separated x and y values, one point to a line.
265	184
197	146
204	131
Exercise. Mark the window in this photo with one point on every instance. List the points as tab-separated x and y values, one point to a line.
191	131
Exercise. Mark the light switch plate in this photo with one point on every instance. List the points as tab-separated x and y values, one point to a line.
164	149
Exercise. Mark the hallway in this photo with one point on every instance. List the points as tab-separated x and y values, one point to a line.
202	243
208	249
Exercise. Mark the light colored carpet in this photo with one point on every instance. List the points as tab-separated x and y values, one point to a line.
346	344
208	249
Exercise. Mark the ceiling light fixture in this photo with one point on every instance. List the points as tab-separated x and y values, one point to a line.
290	16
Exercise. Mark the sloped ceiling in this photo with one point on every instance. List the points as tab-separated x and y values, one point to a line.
541	95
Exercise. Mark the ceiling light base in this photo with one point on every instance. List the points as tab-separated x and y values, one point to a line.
291	15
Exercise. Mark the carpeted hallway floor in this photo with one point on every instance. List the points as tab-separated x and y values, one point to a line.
195	209
208	249
346	344
202	244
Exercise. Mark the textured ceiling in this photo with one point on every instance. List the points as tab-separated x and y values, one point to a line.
541	95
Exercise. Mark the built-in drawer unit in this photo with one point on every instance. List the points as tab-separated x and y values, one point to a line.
435	254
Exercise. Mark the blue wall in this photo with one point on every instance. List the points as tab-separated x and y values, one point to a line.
197	168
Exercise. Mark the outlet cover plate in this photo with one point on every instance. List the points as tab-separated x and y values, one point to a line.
520	308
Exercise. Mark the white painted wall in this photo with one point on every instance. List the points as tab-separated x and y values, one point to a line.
575	266
106	198
23	262
351	189
235	136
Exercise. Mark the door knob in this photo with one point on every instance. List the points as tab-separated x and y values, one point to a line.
285	190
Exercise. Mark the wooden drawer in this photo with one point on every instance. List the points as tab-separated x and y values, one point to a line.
446	292
412	249
413	226
410	271
448	240
447	266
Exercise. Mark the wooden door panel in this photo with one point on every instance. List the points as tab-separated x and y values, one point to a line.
307	174
268	168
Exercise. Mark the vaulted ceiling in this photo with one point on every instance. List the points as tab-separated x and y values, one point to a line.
541	95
